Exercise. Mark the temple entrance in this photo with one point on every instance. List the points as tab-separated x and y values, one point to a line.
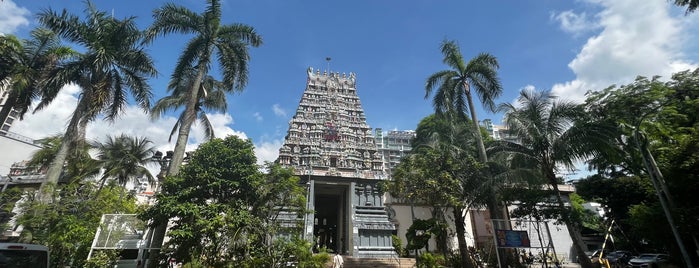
329	222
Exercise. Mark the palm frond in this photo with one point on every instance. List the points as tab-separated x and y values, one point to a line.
206	124
172	18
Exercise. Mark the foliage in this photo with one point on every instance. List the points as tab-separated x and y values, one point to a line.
8	198
666	114
690	4
67	224
429	260
398	246
211	97
113	63
551	136
124	158
25	66
102	258
225	211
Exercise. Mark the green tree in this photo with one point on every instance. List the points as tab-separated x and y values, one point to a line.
211	97
68	223
112	64
443	173
665	118
25	67
478	76
225	211
455	89
550	138
211	42
124	159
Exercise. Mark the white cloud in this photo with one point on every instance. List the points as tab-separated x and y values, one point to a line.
257	116
133	121
12	17
574	23
267	151
278	110
637	38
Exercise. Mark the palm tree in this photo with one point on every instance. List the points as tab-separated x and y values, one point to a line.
124	159
550	138
25	68
454	90
211	97
112	65
212	41
479	75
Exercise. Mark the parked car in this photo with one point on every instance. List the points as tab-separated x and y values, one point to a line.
649	260
618	258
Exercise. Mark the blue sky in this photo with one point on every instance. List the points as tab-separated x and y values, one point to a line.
565	46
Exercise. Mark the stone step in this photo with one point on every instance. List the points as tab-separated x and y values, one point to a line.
379	263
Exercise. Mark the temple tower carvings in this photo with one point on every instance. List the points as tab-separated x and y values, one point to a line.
332	148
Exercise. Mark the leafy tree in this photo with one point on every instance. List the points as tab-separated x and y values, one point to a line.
112	64
442	171
211	42
549	137
124	159
225	211
666	120
455	88
211	97
25	67
68	223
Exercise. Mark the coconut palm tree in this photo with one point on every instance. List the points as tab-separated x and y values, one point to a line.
124	159
112	65
211	41
455	86
455	89
25	65
211	97
551	138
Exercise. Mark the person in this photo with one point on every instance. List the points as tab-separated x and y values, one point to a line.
338	261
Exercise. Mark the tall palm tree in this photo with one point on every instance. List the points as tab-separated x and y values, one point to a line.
124	159
550	138
25	67
211	97
455	86
112	65
211	41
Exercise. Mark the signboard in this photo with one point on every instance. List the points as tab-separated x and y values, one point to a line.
512	239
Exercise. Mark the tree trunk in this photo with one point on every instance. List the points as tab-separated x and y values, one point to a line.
72	132
493	205
573	228
461	238
177	158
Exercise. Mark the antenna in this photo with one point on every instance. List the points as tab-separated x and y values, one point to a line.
328	60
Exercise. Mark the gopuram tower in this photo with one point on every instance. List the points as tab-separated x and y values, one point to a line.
331	147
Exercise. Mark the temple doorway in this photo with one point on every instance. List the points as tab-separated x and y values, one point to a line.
329	222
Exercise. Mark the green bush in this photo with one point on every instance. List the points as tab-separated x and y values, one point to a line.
398	246
429	260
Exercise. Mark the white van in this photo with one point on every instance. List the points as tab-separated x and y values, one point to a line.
24	255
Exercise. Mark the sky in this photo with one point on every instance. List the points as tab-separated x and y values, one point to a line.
568	47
